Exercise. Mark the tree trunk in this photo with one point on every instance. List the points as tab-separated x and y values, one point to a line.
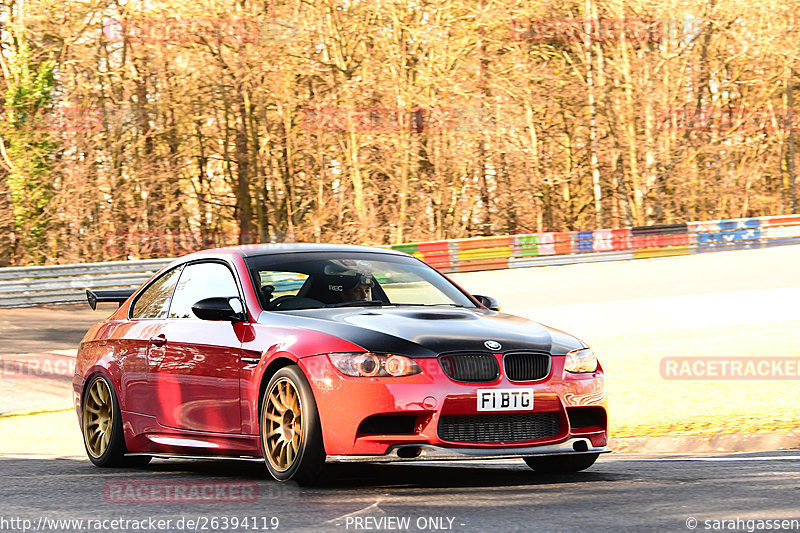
590	23
6	220
791	148
483	87
244	209
356	177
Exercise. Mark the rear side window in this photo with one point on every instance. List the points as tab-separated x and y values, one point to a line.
154	301
198	282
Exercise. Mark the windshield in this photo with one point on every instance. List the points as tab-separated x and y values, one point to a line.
312	280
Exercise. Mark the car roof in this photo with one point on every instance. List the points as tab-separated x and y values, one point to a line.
254	250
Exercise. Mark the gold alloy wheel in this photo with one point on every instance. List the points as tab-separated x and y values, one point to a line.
282	424
98	418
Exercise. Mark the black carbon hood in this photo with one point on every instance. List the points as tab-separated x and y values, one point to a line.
427	331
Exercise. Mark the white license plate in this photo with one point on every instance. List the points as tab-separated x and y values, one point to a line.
505	399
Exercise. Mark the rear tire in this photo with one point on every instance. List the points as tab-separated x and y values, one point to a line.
291	434
562	464
101	425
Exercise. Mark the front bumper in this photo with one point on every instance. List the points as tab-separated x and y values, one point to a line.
345	402
427	452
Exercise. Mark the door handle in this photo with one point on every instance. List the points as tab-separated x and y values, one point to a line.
159	340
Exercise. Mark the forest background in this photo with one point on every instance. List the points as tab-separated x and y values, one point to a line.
134	129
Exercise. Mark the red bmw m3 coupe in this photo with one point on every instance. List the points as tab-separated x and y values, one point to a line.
306	355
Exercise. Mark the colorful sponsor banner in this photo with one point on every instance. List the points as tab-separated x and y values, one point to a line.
504	241
436	254
659	236
585	241
778	231
647	253
608	240
489	253
562	242
407	248
484	248
526	245
733	234
547	244
499	263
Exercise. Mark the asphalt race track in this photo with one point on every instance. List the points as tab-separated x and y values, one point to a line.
622	492
617	494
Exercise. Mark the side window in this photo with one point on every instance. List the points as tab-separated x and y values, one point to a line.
198	282
154	301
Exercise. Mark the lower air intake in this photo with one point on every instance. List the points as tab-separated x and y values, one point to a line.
498	428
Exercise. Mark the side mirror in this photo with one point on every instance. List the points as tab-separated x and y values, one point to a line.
487	301
222	308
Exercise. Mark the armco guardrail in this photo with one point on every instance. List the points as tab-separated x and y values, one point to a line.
27	286
559	248
63	284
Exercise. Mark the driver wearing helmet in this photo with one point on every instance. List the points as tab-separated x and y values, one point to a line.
349	286
360	290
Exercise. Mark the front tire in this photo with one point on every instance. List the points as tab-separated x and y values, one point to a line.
562	464
101	426
291	435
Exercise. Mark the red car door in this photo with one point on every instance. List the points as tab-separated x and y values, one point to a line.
194	364
133	341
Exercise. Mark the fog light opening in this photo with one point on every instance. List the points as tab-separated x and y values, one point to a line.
409	452
580	446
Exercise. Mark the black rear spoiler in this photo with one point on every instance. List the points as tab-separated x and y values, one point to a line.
119	296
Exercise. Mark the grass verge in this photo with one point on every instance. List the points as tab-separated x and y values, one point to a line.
643	403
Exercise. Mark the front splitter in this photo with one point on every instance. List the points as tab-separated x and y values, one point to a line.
427	452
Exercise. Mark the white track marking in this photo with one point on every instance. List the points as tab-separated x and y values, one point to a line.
705	459
372	507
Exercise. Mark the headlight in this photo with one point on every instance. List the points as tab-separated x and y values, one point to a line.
581	361
374	364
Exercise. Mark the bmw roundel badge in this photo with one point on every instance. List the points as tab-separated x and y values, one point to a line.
492	345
